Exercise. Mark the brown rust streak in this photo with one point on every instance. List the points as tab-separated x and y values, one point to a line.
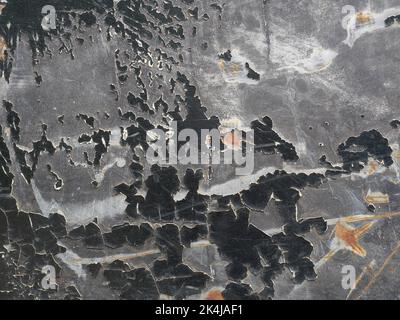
3	45
367	270
380	271
359	218
350	236
3	48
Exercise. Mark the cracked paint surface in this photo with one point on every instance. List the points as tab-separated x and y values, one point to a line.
78	194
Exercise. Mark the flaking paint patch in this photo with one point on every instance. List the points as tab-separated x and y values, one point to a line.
160	212
81	213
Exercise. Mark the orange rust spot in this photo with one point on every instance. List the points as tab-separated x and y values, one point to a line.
214	295
363	18
229	69
349	236
233	140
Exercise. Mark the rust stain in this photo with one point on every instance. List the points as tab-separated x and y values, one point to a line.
380	271
233	140
235	68
349	236
221	65
377	198
396	155
3	45
372	167
326	258
370	217
230	69
364	18
231	132
368	270
3	48
214	294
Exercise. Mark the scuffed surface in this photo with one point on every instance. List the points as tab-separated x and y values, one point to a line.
77	193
